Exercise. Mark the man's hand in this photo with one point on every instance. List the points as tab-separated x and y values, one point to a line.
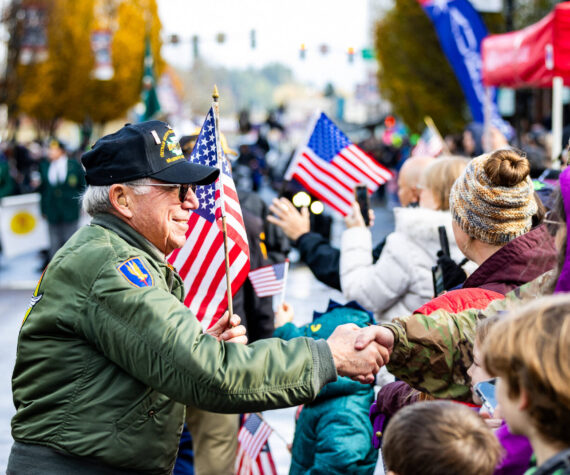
375	333
293	223
362	364
228	330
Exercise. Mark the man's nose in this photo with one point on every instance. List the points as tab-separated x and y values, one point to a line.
190	200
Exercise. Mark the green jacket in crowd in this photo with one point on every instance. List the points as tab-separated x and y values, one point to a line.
108	355
6	181
61	203
433	352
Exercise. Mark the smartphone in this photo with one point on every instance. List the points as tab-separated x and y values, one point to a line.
437	279
443	241
486	391
363	200
437	271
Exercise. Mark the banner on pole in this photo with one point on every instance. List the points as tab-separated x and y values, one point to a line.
460	31
101	46
33	47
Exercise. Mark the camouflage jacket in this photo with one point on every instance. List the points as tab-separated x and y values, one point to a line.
432	353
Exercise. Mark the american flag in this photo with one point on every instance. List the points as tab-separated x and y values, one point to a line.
201	261
269	280
429	144
254	456
262	465
330	166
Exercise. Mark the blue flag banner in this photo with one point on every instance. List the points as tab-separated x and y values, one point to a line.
460	31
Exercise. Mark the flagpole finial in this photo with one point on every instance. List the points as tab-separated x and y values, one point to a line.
215	94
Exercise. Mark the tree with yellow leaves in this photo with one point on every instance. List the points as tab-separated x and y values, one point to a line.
63	86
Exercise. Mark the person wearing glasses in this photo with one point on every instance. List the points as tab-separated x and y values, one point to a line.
108	355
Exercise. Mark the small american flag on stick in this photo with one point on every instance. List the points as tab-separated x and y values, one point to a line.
253	435
269	280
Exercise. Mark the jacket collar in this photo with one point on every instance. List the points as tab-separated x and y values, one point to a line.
134	238
516	263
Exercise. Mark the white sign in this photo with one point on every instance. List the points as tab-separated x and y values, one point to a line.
491	6
22	227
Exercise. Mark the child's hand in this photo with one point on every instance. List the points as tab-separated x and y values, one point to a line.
492	421
283	315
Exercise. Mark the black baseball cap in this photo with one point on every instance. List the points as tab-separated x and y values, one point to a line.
148	149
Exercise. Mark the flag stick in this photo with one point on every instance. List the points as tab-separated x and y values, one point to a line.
216	109
431	124
284	281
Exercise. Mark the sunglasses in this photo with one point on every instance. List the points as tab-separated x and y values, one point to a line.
182	188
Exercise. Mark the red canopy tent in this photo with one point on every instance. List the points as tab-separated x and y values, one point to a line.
531	57
536	56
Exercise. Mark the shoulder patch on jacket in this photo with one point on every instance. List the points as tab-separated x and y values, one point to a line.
135	272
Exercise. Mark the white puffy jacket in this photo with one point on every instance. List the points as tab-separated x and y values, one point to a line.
401	280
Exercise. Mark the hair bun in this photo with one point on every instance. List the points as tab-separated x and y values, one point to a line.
506	168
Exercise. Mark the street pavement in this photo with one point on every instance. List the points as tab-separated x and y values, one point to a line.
18	277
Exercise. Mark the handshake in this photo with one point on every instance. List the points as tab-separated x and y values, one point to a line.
359	353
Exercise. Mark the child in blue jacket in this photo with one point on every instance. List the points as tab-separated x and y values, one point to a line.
333	434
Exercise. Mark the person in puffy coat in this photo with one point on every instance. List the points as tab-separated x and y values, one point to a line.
401	280
332	435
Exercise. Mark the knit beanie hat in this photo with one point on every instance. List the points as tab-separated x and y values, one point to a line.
493	200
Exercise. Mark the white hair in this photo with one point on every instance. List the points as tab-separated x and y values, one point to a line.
95	199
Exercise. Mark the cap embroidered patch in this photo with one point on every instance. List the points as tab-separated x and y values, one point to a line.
173	150
136	272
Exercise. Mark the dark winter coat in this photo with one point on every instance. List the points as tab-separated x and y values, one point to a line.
324	259
516	263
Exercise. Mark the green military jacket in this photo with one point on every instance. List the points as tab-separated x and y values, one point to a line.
108	356
6	182
433	352
61	203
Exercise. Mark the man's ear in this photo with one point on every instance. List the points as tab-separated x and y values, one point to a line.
120	200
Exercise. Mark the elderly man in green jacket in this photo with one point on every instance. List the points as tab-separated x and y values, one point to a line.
108	355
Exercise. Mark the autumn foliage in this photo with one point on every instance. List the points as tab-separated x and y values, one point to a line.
63	86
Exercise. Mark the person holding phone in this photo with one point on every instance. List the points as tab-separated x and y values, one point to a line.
401	279
316	251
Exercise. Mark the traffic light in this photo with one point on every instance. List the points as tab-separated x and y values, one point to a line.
302	51
252	40
221	38
350	52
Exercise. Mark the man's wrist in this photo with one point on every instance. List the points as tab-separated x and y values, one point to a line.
325	368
